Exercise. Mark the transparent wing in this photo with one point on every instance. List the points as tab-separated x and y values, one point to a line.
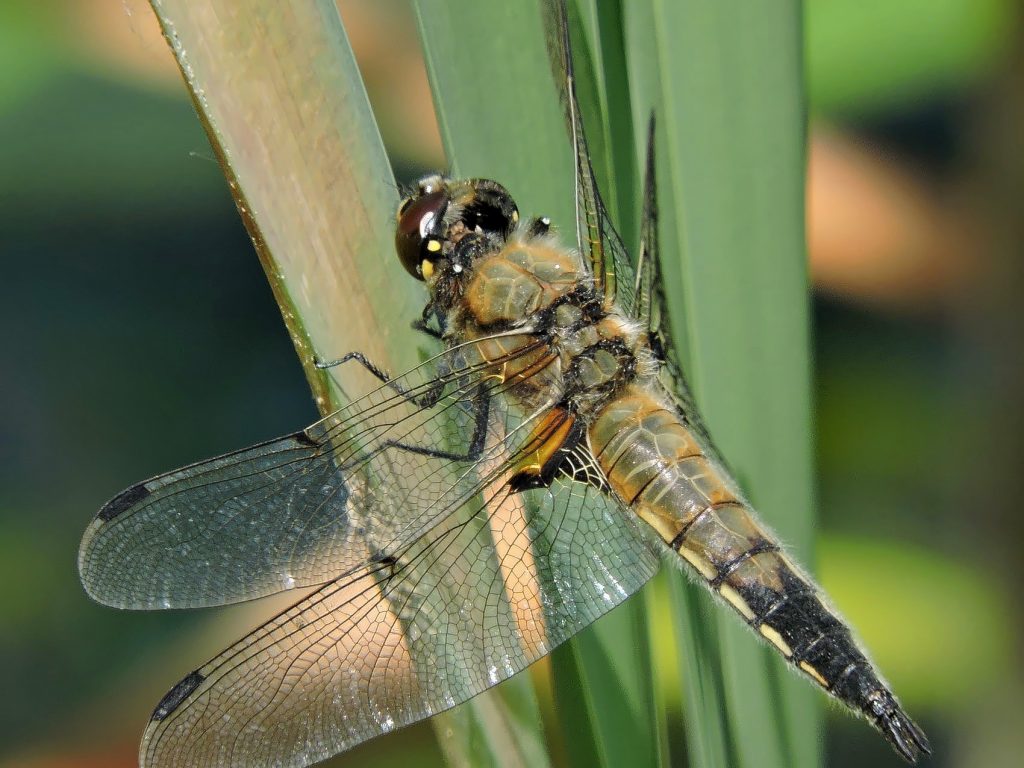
433	624
639	293
596	237
652	307
308	507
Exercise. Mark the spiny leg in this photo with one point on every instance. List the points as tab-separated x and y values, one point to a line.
481	408
427	399
479	405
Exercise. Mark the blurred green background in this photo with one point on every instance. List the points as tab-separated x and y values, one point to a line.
139	335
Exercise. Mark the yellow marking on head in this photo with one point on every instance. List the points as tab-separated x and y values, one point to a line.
814	673
698	561
773	637
515	216
427	268
433	245
736	601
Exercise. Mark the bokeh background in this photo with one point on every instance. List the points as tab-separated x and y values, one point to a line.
139	335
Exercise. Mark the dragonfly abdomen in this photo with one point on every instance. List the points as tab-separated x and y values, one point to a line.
656	465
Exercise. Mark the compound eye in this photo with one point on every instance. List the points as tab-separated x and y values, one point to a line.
416	237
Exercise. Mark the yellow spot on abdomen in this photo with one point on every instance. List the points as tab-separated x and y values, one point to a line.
736	601
698	561
773	637
666	528
814	673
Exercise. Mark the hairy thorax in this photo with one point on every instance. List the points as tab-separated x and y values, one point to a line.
533	293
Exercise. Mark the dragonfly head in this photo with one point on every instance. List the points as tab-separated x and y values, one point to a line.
440	213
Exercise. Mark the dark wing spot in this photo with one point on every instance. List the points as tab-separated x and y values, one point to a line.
124	500
388	561
176	695
304	439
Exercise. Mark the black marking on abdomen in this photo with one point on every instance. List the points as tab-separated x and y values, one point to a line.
176	696
680	538
126	499
801	619
852	679
727	568
902	733
764	601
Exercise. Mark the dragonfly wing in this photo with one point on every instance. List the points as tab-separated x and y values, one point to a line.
596	237
303	509
234	527
651	307
431	625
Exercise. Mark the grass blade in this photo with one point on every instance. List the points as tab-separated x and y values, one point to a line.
279	94
281	98
730	99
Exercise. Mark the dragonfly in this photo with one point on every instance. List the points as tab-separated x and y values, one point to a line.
457	522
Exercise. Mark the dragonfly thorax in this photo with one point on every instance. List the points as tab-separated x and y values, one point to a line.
490	274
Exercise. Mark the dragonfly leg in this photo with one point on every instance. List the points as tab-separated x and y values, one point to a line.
324	365
422	326
481	408
430	396
431	312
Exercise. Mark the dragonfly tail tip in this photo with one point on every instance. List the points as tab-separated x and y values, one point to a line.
905	736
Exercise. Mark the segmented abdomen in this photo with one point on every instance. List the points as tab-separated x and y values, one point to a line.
658	468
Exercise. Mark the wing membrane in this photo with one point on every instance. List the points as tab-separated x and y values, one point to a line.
596	237
652	308
308	507
470	604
